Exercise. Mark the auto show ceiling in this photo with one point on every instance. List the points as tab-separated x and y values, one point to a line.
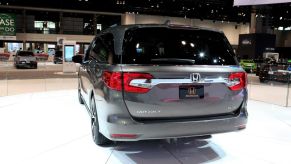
217	10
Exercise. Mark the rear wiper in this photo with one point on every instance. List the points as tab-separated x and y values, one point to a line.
174	60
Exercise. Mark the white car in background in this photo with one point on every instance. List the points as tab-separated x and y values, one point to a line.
25	59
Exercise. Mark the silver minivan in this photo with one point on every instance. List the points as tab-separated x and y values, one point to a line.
141	82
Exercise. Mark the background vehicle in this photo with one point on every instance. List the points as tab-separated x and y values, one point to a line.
274	72
248	65
58	57
144	82
25	59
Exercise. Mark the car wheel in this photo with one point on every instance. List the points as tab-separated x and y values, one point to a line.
98	138
81	101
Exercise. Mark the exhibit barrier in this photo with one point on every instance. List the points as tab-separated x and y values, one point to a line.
49	77
274	91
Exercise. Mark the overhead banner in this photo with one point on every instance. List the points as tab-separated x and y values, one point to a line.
7	24
258	2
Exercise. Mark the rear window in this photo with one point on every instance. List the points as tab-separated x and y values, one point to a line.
176	46
25	53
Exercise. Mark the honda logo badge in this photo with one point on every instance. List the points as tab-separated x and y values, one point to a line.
195	77
191	91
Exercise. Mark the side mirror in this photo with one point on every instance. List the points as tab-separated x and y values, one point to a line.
77	59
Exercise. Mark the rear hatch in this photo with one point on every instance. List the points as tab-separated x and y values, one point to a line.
26	56
168	92
179	73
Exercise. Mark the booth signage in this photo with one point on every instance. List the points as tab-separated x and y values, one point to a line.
7	24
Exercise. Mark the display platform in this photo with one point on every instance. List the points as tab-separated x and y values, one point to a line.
52	127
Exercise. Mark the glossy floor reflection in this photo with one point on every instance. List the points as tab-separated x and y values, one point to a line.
51	127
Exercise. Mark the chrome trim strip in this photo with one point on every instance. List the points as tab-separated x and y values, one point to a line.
145	83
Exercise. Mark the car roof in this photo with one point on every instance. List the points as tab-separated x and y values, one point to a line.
172	26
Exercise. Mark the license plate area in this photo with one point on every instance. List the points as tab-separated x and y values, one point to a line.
191	91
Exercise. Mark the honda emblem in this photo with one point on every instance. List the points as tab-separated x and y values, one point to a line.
195	77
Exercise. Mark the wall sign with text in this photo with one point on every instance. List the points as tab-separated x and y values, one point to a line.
7	24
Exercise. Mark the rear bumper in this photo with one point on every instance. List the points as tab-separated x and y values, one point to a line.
30	64
161	130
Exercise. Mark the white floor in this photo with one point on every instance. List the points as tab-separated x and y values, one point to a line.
51	127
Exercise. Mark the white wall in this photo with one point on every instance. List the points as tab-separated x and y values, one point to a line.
228	28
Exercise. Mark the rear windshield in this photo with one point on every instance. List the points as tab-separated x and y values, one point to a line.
25	53
176	46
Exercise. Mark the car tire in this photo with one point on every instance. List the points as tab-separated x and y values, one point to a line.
81	101
262	80
98	138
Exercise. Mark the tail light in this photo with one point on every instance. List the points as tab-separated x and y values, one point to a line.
118	80
238	81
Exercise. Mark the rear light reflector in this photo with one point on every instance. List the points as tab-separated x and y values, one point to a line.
130	136
118	80
238	81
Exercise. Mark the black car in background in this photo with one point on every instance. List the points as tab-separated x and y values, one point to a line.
58	57
275	72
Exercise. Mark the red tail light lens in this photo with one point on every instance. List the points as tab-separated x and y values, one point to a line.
112	80
128	77
238	81
117	81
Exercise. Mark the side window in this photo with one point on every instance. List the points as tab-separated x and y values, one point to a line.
102	50
87	53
